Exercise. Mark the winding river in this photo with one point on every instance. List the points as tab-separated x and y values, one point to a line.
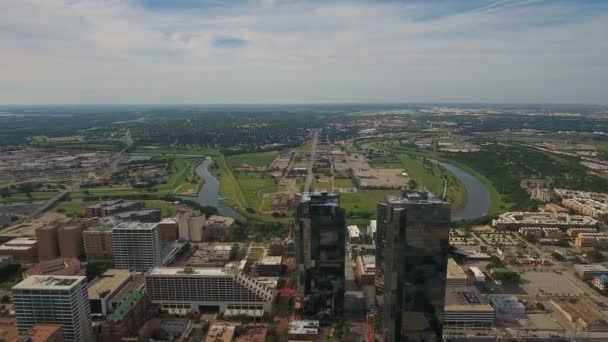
478	195
210	192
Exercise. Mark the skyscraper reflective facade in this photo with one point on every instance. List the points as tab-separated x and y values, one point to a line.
411	262
320	229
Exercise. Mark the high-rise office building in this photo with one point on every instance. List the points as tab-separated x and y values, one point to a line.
320	230
54	299
411	265
137	246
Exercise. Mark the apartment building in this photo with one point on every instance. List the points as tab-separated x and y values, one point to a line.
98	242
136	246
54	299
599	240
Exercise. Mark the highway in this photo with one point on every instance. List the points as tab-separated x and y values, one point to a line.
310	175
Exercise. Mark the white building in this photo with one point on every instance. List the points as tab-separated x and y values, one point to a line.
371	230
226	290
478	274
354	234
54	299
137	246
506	306
190	226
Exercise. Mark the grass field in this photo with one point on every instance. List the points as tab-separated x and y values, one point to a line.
229	187
182	149
73	207
35	196
184	180
303	148
343	183
363	202
78	207
254	185
252	159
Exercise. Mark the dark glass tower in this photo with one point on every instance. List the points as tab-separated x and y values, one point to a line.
411	262
320	251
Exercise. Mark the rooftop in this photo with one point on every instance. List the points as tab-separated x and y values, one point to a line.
220	220
108	282
590	268
188	271
465	298
353	231
125	306
455	271
270	260
135	226
42	331
304	327
45	282
221	331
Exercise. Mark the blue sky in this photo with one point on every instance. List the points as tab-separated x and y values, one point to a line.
292	51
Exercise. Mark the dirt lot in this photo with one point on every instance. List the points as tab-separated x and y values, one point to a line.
549	283
382	178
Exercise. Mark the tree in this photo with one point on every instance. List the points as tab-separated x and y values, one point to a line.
412	184
97	268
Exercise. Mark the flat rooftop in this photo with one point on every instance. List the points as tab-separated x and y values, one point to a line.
455	271
188	271
135	226
216	219
43	282
29	228
270	260
109	281
466	298
304	327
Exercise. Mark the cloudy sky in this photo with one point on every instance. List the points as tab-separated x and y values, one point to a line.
290	51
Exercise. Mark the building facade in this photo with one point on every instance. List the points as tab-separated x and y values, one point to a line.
54	299
320	230
225	290
136	246
411	265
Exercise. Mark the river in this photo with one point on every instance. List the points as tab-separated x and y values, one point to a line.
210	192
478	195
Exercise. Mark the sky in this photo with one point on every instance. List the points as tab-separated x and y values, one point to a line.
292	51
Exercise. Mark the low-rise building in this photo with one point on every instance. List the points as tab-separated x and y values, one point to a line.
22	250
516	220
590	271
114	207
601	283
142	215
573	232
304	330
269	266
466	307
60	266
218	228
366	269
126	318
254	333
354	234
222	331
104	288
371	230
581	311
456	277
599	240
42	332
587	206
507	306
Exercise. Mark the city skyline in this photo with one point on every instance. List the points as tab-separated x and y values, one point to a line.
184	52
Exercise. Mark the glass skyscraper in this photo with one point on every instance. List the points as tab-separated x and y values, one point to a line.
319	230
411	262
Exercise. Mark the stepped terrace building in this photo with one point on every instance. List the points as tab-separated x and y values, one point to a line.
225	290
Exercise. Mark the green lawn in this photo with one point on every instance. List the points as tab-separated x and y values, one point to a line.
254	185
303	148
252	159
184	180
35	196
166	208
72	208
229	188
343	183
181	149
363	202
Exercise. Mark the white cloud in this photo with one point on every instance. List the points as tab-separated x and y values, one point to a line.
110	51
